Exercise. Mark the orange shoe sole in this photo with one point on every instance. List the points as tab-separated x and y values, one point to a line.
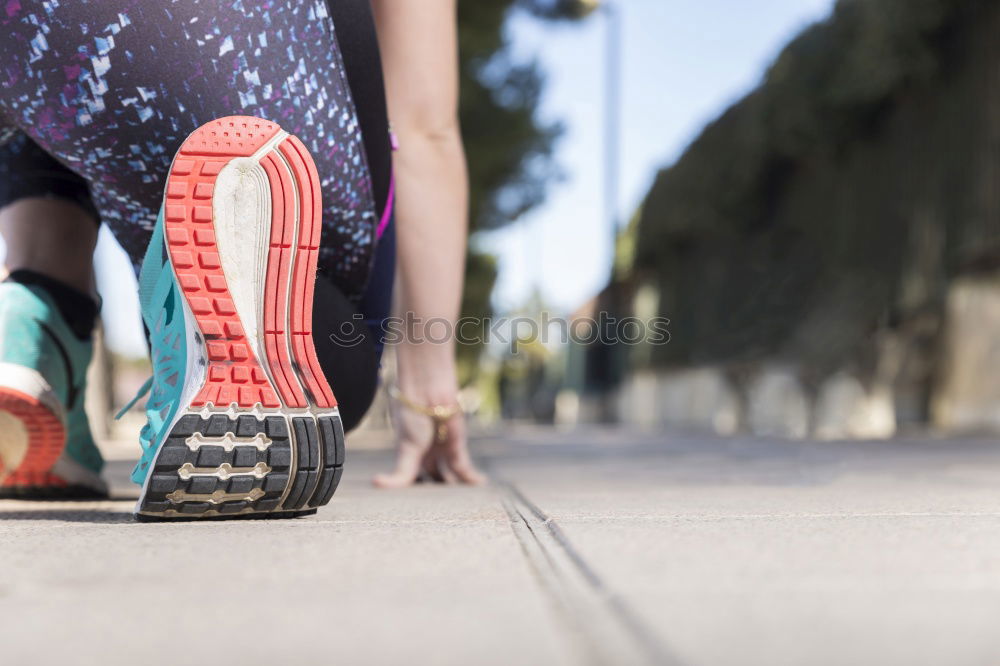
34	434
262	433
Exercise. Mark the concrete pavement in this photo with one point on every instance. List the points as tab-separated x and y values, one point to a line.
596	547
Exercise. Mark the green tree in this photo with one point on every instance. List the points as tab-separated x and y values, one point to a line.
509	150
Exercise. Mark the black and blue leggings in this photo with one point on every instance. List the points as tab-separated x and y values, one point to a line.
98	95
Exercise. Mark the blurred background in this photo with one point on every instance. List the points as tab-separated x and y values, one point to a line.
806	189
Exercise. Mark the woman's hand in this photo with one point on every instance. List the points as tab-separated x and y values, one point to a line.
437	451
420	453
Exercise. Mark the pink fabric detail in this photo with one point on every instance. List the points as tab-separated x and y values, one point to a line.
387	214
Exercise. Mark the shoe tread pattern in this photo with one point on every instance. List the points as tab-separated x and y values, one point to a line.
303	464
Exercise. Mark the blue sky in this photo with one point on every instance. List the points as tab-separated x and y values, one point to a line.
684	62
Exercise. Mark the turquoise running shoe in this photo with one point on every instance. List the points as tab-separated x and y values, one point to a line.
240	418
46	447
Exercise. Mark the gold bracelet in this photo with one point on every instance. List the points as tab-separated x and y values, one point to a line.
439	414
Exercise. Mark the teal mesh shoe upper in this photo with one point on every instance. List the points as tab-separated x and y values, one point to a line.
33	334
163	314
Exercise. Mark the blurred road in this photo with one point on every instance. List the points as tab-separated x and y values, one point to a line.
595	547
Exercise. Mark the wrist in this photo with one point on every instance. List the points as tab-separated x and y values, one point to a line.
427	372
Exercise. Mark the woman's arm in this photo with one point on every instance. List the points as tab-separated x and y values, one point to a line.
419	44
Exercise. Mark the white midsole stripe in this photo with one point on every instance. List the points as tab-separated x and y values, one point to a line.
272	144
76	474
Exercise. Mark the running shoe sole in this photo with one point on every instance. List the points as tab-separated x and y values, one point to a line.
32	432
259	433
33	464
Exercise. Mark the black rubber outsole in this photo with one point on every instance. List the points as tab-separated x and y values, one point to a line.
278	467
277	515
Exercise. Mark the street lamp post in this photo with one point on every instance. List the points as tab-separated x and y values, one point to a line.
606	357
612	112
612	119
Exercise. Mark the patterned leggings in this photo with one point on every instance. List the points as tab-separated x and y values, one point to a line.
98	95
